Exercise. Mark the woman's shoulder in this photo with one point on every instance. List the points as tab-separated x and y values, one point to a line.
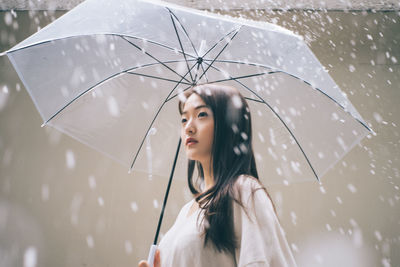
252	197
248	182
185	208
246	185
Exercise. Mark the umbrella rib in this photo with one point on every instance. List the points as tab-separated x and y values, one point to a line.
220	40
209	50
110	34
252	99
159	44
243	63
155	117
232	78
141	49
151	124
197	71
155	77
102	81
242	77
78	96
220	52
152	64
180	43
284	72
276	114
194	48
184	30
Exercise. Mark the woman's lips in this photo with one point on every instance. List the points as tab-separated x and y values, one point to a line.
191	141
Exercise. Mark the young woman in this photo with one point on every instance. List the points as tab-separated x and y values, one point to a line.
232	220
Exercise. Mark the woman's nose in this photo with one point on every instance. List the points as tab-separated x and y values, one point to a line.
190	127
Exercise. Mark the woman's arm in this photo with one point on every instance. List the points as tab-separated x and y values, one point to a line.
261	239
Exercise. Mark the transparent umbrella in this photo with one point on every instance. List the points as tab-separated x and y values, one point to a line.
109	74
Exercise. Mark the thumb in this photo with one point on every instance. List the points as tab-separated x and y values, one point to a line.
157	259
143	264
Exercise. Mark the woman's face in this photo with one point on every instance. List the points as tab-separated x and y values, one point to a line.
197	131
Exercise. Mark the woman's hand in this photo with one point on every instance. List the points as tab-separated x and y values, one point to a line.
157	261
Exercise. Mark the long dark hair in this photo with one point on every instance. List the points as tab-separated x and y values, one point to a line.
232	155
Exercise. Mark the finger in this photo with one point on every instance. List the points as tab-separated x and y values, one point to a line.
157	259
143	264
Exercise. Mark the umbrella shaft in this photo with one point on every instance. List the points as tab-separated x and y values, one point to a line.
167	193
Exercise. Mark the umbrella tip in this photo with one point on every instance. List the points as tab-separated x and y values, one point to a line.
43	124
3	53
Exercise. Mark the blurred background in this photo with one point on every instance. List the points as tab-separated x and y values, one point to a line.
64	204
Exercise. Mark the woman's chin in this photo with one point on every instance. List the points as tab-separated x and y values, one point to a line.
192	156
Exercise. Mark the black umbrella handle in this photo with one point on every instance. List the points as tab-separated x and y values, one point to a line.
167	192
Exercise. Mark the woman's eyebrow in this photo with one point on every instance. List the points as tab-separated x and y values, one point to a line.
198	107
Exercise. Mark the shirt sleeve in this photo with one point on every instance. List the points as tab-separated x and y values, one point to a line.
261	240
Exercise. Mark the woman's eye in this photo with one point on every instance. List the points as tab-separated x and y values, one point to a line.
203	114
183	120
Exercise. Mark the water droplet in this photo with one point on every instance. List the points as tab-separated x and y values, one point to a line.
235	128
333	213
3	97
100	200
295	166
352	68
237	101
155	203
377	117
378	235
75	207
45	192
261	137
294	247
128	247
272	137
328	227
113	106
90	241
322	189
8	18
243	148
30	257
154	84
70	159
386	262
236	150
294	217
341	143
92	182
352	188
134	206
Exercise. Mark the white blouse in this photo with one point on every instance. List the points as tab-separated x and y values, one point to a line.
261	240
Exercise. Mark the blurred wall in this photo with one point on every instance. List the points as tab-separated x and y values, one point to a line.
62	204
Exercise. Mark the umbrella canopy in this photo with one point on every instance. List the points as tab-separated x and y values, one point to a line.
109	74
